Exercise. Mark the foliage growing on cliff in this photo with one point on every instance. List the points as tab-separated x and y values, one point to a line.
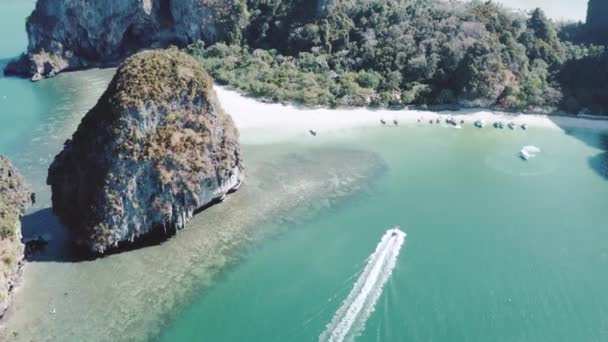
399	52
14	197
142	157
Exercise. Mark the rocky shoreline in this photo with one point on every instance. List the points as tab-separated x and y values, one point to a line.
15	197
72	35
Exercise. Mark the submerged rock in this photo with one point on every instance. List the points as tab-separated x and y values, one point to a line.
156	148
75	34
15	197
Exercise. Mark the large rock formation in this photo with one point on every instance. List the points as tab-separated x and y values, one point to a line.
156	148
597	21
74	34
15	197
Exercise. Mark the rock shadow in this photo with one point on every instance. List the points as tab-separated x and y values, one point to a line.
60	246
599	162
48	240
44	224
3	63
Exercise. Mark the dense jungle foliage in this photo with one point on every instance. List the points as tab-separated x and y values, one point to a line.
424	52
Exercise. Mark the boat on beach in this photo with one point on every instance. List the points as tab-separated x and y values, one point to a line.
480	123
499	124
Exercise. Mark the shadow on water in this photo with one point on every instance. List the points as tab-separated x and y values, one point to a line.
4	62
599	162
59	244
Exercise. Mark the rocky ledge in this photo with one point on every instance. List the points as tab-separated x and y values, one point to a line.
155	149
77	34
15	197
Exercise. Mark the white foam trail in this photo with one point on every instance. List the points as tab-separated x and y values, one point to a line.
350	318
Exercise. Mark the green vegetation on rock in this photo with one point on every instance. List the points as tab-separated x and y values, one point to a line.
155	148
15	197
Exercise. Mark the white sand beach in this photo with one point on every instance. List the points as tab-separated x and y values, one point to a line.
286	121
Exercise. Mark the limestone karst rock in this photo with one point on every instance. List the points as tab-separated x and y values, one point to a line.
155	148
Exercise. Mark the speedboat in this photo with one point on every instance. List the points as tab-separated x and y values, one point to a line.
313	132
531	149
511	125
524	127
528	152
382	121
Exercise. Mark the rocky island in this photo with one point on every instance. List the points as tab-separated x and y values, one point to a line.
155	149
68	34
15	197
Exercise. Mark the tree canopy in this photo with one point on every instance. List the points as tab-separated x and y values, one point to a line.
397	52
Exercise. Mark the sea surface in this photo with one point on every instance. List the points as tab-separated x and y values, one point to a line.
497	249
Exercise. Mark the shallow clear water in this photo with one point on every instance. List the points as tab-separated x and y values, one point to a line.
497	250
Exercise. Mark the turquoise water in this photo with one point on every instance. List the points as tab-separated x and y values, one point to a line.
497	249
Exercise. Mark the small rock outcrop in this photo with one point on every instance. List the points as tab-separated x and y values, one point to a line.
155	149
15	197
77	34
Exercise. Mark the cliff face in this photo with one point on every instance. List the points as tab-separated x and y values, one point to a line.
15	197
155	148
73	34
597	23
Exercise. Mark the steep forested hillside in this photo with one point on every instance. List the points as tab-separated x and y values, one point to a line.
383	52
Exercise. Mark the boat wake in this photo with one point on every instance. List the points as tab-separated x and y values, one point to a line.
349	320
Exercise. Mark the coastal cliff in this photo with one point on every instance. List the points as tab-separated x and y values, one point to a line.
155	149
70	34
15	197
